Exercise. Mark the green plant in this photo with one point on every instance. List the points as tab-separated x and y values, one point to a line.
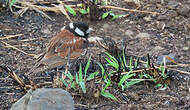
163	70
120	64
112	61
70	10
114	16
80	77
11	2
107	94
84	11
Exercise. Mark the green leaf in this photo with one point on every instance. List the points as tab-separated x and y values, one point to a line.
158	85
70	10
12	3
130	64
107	85
112	58
77	78
162	69
112	64
116	16
108	95
64	82
124	59
80	74
70	76
83	11
106	14
83	87
87	66
150	77
136	63
133	82
92	75
73	85
124	78
112	14
102	68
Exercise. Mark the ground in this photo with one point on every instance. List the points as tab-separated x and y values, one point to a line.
165	33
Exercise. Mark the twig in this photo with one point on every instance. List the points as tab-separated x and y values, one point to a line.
138	71
14	76
17	49
184	72
169	67
129	10
141	79
10	36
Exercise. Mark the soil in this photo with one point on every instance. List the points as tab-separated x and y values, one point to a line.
169	32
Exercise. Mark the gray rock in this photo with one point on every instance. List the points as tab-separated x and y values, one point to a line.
46	31
188	43
161	58
3	52
143	35
129	33
147	18
106	26
162	17
173	4
184	11
21	104
161	25
185	48
158	48
45	99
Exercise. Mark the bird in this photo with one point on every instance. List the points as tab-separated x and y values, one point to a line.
70	43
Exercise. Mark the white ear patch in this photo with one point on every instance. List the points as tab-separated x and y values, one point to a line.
79	32
71	25
89	30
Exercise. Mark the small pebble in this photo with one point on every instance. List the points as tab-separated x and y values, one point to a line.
173	4
185	48
106	26
46	31
143	35
161	58
129	33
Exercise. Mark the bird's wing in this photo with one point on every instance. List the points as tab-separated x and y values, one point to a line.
65	44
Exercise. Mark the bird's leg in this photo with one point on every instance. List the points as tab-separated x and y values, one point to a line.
58	75
67	65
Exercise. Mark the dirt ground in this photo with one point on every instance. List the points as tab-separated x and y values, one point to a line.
169	32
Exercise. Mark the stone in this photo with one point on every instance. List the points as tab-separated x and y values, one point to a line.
106	26
161	25
46	31
147	18
188	43
129	33
184	11
185	48
143	35
45	99
158	48
161	58
162	17
173	4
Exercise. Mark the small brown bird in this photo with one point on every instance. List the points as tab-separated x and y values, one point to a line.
70	43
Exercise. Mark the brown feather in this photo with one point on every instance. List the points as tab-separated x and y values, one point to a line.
58	51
